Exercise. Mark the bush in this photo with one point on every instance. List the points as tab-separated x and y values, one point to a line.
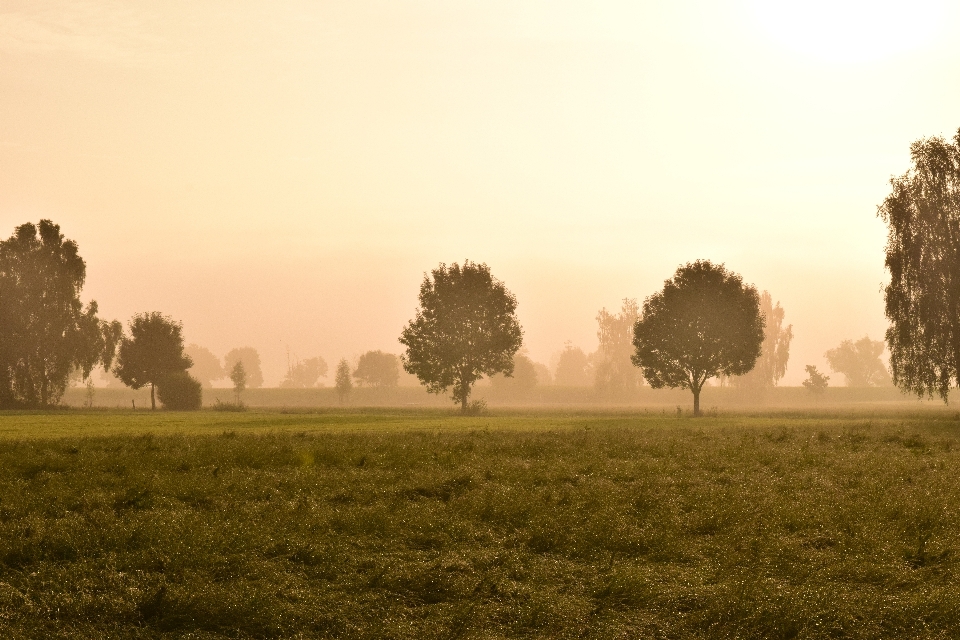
220	405
180	392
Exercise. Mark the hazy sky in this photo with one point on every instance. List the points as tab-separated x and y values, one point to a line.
281	174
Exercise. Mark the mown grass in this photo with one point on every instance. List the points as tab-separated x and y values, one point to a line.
411	525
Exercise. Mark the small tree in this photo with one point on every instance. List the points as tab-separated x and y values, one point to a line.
466	328
816	382
706	322
238	375
251	364
378	369
342	381
179	391
859	362
153	352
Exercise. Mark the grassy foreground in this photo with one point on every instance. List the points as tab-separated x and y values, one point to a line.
426	525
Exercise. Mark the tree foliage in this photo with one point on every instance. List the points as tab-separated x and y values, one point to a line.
521	382
179	391
152	352
251	364
922	299
775	352
859	362
304	374
238	376
342	380
573	368
378	369
704	323
206	366
816	382
466	328
45	331
614	373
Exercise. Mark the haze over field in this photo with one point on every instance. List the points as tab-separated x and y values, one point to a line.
280	175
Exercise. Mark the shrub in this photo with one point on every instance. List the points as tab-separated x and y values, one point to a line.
180	391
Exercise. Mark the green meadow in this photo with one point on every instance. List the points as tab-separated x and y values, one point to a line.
387	523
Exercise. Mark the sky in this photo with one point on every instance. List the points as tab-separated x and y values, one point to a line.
282	174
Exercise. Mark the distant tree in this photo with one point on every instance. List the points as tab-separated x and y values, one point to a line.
179	391
45	332
523	380
573	368
614	373
543	374
206	366
251	364
860	362
153	351
342	381
772	363
816	382
704	323
466	328
238	376
922	300
304	373
378	369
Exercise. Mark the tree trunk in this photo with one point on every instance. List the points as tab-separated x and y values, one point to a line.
463	404
153	402
696	400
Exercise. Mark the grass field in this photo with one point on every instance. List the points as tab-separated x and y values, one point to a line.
419	524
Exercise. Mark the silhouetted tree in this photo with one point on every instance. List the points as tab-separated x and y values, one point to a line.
772	363
45	332
206	366
180	391
466	328
305	373
251	364
378	369
342	380
859	362
922	300
614	373
706	322
573	367
522	381
238	376
816	382
153	351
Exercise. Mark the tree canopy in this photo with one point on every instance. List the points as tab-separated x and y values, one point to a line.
614	374
573	367
705	322
775	352
153	351
342	380
378	369
304	373
859	362
206	366
466	328
251	364
45	331
922	299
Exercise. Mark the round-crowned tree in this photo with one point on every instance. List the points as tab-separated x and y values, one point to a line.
466	328
704	323
153	352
